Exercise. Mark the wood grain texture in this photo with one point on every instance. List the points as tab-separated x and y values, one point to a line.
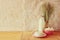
26	36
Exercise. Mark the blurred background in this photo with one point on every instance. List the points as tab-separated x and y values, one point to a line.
23	15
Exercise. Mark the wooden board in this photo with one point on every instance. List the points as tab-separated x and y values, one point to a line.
26	36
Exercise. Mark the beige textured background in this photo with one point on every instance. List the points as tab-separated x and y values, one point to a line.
20	15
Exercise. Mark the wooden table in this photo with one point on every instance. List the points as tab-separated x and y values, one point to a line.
26	36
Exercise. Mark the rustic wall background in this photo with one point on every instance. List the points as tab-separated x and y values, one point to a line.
20	15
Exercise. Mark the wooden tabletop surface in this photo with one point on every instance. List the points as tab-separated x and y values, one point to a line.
26	36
